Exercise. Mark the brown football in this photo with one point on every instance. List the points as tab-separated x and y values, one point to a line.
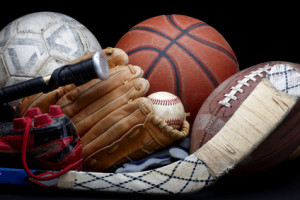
228	97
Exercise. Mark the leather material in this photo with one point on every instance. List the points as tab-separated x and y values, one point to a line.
114	57
114	120
129	133
213	116
87	104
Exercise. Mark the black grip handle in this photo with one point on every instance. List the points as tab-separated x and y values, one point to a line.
78	73
22	89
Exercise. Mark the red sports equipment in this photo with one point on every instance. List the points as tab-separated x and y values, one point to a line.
41	141
181	55
224	101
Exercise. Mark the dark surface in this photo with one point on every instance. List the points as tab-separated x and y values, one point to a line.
257	33
281	183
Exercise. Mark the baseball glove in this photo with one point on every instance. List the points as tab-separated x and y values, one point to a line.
116	123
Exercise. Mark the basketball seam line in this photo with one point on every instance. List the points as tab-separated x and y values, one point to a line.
174	41
201	40
214	46
162	53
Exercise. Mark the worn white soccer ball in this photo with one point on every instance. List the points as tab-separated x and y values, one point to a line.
38	43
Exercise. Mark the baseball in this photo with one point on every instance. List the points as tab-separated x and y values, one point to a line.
168	107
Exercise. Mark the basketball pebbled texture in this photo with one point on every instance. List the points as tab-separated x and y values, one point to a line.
181	55
226	99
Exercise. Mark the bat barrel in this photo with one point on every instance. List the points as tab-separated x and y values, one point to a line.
100	65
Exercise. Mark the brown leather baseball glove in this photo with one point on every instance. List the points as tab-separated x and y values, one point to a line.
115	121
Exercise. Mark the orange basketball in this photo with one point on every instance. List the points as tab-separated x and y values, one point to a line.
181	55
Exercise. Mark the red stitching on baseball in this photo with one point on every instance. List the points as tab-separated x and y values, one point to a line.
174	121
165	102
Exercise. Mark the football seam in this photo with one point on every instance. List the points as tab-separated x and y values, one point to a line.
244	82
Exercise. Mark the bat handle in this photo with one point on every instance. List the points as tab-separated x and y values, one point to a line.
80	73
22	89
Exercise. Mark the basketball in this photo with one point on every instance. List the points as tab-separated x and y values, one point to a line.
181	55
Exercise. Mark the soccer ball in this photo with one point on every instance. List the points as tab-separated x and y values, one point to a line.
37	43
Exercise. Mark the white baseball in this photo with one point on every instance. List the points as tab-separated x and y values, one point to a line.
168	107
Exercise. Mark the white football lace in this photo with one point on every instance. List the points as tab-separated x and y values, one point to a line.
241	83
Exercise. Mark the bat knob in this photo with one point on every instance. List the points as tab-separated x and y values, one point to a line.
100	65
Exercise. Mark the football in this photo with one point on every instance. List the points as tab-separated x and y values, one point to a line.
225	100
36	44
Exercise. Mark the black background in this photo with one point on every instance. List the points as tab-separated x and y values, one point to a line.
257	32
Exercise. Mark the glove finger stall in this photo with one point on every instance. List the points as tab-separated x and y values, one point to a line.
100	108
111	129
114	56
43	101
82	96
